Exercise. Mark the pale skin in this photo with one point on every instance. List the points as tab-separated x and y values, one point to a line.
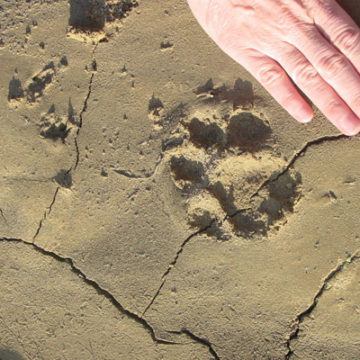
312	43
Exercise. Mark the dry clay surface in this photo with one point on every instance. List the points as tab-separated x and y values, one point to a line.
156	202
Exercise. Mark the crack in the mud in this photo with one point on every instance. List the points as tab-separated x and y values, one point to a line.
146	175
173	263
84	108
100	290
204	341
46	213
154	297
306	313
44	180
299	153
237	212
48	209
227	216
81	120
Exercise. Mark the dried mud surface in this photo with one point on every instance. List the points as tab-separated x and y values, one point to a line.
155	201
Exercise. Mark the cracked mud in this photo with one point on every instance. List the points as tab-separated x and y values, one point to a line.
152	206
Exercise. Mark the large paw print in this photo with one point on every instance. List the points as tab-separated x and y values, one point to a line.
220	153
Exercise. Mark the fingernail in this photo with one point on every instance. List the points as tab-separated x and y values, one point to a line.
307	119
303	115
350	125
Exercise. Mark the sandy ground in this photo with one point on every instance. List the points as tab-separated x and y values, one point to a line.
156	203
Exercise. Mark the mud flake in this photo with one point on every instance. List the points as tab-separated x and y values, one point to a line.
64	61
240	96
166	45
116	10
16	91
171	143
225	197
155	109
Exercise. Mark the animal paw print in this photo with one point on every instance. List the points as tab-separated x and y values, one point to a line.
36	86
53	126
222	156
39	82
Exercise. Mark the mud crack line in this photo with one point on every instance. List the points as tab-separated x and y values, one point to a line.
204	341
145	175
46	213
299	153
227	216
181	249
84	108
306	313
100	290
173	263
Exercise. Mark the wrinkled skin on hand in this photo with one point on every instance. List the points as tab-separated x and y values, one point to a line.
312	43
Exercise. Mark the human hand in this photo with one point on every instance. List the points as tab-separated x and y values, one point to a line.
313	42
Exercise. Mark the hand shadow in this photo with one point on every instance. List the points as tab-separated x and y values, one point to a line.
7	354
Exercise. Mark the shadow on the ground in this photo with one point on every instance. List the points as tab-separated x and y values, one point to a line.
6	354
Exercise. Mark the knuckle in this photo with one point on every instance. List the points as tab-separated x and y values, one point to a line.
299	32
355	103
347	39
333	64
334	106
305	73
288	23
269	74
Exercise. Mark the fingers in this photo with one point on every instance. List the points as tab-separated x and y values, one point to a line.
274	79
332	65
317	89
339	28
